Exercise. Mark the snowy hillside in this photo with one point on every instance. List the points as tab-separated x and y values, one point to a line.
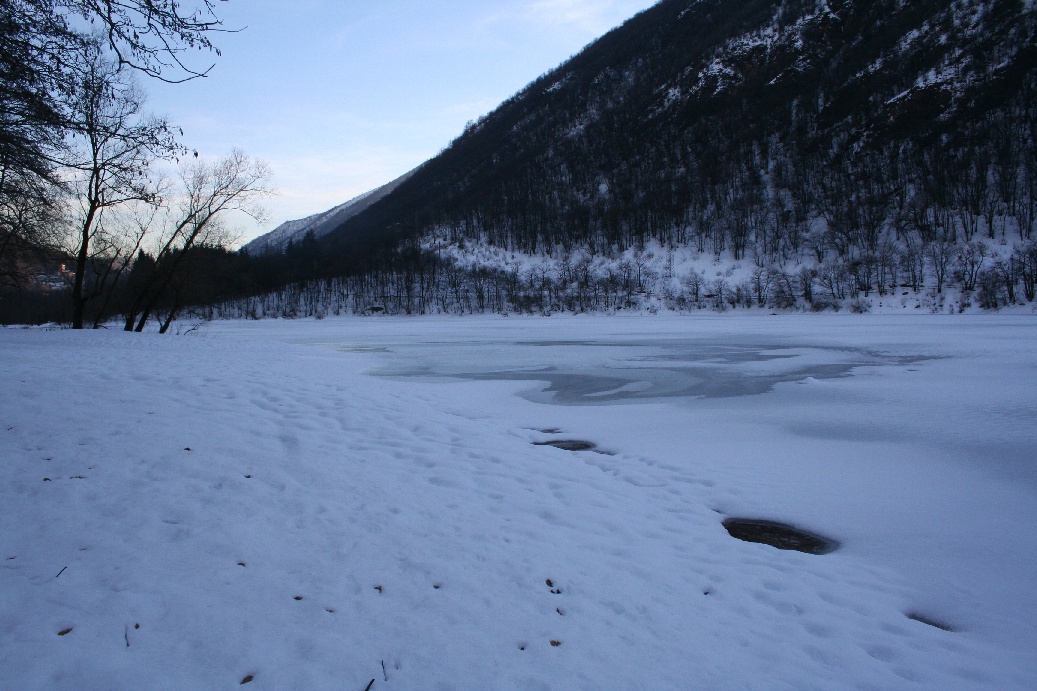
456	276
657	277
774	130
376	504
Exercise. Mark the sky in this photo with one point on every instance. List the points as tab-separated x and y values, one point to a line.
341	97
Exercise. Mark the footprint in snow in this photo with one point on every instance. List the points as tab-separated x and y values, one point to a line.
930	621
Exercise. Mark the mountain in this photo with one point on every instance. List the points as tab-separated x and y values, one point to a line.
780	153
694	106
320	224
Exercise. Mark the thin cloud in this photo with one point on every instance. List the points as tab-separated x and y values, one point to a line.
586	15
590	17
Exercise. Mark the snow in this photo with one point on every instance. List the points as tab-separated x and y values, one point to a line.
559	84
166	500
664	274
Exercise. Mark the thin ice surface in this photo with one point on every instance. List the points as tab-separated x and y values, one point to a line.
249	502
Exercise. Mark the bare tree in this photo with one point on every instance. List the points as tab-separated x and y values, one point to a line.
805	277
888	258
123	234
694	283
117	145
44	60
914	259
761	283
150	36
209	192
969	260
970	189
940	255
1025	262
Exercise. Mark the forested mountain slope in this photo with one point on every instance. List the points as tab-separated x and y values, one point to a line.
843	146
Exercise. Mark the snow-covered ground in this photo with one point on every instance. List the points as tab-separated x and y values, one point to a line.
320	504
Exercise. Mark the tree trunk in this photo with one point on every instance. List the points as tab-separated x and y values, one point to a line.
78	301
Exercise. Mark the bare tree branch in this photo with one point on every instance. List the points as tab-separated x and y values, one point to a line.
210	190
117	145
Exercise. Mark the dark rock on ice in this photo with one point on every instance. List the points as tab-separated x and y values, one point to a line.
779	535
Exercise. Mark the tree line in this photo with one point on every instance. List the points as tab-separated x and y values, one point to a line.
428	283
839	162
83	166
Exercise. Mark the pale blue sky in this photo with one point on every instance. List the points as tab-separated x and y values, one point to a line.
340	96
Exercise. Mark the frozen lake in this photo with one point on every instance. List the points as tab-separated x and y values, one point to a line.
966	386
628	371
316	504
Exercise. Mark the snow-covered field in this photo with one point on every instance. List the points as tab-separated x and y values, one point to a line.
322	504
